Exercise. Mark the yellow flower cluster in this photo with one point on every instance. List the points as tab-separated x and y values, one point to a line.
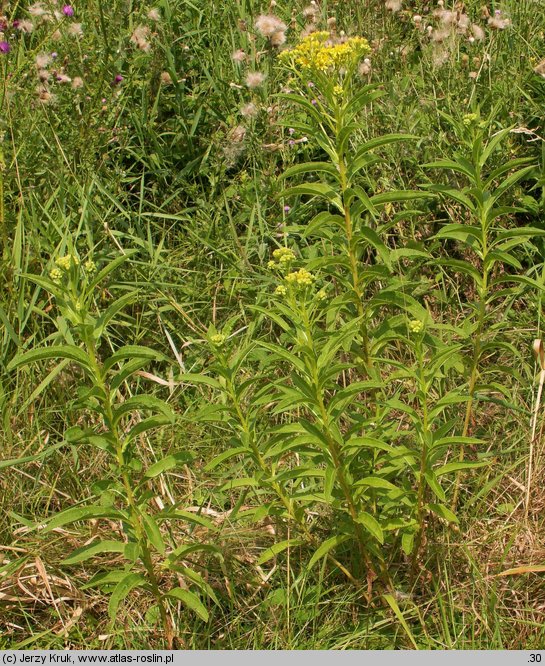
218	339
64	263
56	275
90	266
473	119
470	118
318	52
416	326
283	256
300	278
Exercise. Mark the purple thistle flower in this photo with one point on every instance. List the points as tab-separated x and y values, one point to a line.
291	131
117	80
54	55
287	209
4	47
68	10
314	102
15	23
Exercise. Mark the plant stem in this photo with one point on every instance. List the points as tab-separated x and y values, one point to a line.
349	229
336	457
421	492
299	521
483	294
136	517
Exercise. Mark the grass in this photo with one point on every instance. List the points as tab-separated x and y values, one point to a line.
163	162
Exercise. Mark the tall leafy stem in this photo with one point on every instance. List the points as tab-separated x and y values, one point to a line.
125	494
332	105
492	241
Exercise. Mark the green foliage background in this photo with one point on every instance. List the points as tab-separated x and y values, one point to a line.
161	172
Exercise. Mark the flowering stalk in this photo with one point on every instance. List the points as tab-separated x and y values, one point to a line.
425	436
326	67
120	447
73	285
248	436
493	243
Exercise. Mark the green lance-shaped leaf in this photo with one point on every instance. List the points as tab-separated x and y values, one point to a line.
321	190
460	165
153	533
194	378
193	518
14	462
390	600
362	156
311	167
190	600
279	547
458	466
133	352
286	355
110	267
145	425
186	549
226	455
45	283
451	193
83	513
461	232
372	525
358	102
504	168
113	309
147	402
443	512
70	352
128	583
194	577
377	483
433	483
398	196
326	547
167	463
97	547
512	180
128	369
368	236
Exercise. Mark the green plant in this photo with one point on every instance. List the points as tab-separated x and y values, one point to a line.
489	245
116	423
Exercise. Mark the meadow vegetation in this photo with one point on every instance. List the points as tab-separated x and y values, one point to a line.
273	281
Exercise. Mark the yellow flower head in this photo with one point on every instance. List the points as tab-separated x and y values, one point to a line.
470	118
283	255
321	295
300	278
65	262
416	326
218	339
90	266
56	275
280	290
318	52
